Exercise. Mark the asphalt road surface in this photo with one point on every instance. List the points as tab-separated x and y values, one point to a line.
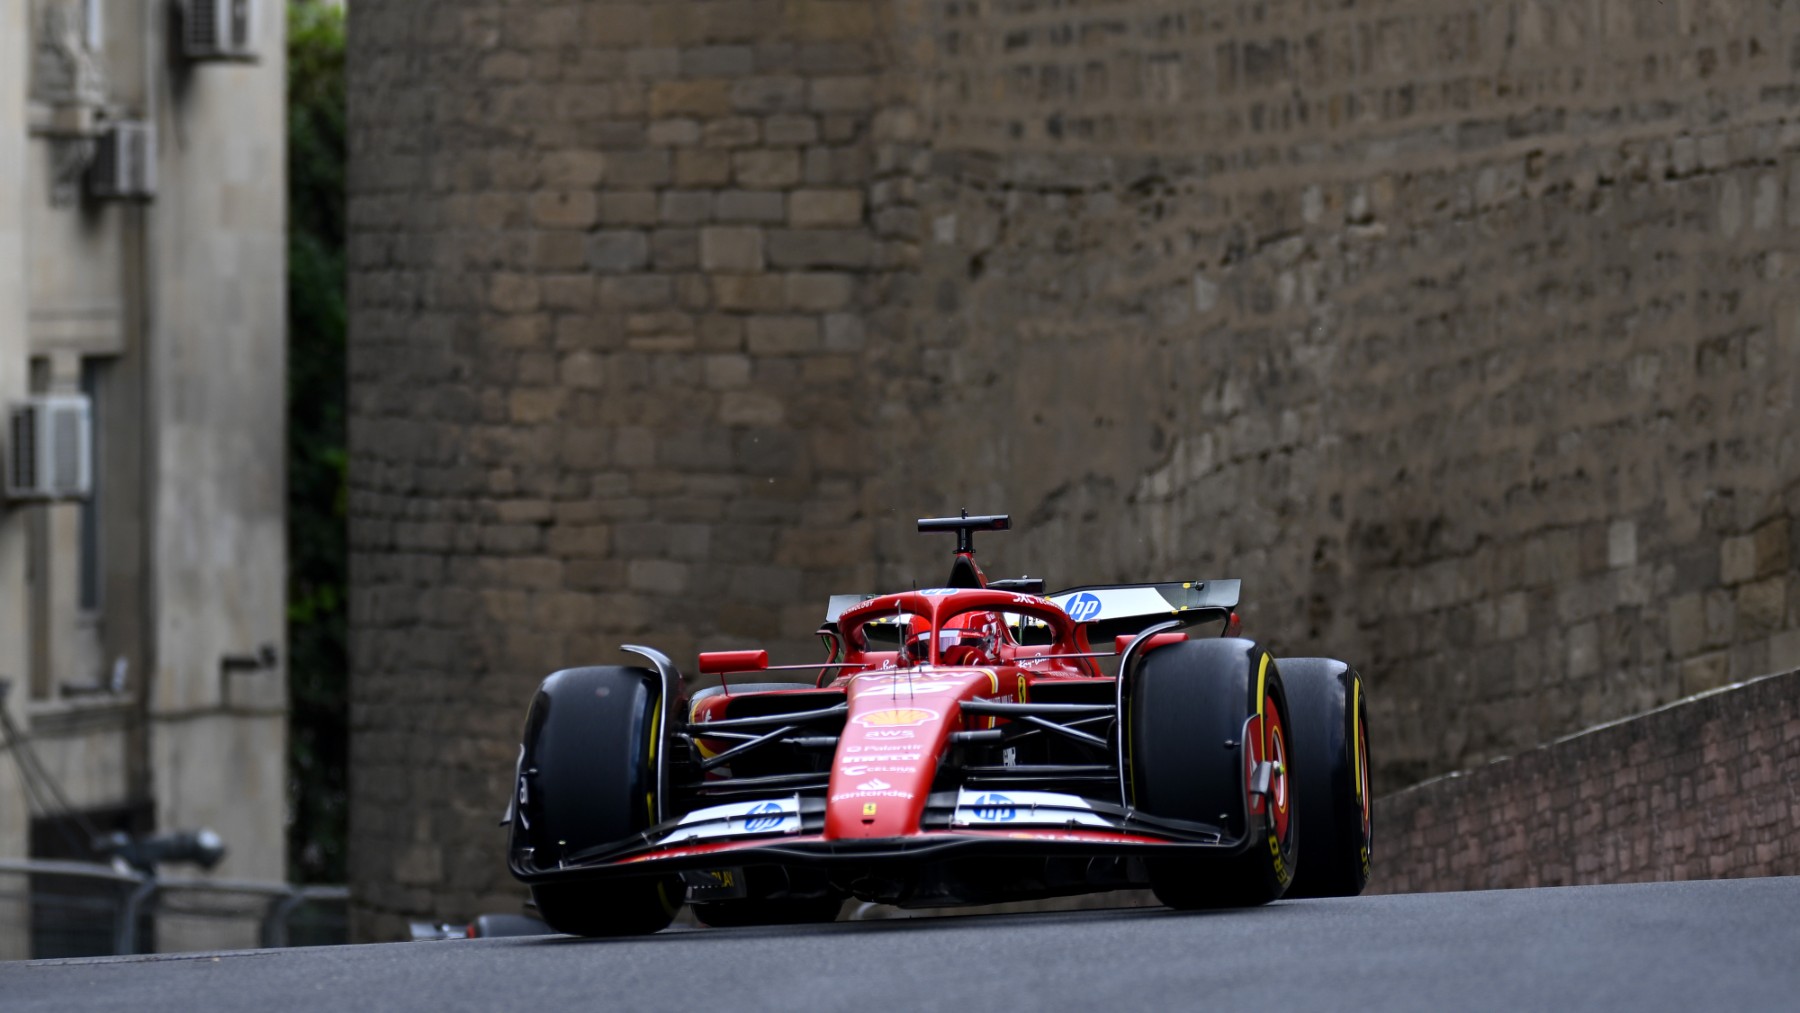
1670	946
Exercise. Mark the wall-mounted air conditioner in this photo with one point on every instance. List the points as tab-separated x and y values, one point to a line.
124	165
219	29
50	448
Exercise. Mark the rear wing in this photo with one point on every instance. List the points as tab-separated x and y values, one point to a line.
1109	610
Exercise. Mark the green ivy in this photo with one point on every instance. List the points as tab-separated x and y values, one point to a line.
318	658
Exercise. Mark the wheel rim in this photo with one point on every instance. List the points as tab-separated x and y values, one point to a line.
1276	751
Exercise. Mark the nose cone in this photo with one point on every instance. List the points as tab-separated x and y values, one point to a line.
887	757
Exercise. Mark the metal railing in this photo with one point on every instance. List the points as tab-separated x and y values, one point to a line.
88	909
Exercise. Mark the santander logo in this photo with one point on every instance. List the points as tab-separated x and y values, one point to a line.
874	784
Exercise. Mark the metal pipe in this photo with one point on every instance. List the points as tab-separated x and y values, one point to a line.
125	933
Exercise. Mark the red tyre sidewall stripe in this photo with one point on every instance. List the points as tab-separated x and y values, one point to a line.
1275	749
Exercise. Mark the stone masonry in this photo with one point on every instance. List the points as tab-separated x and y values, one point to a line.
1463	331
614	269
1703	789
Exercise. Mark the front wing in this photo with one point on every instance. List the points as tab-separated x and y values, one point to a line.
957	824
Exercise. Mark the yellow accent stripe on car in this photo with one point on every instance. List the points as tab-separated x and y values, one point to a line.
655	734
1262	681
1356	732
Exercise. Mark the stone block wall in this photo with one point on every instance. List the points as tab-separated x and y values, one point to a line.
1462	331
1701	789
614	267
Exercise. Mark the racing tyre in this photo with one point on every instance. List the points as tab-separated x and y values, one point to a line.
587	778
1330	743
1202	716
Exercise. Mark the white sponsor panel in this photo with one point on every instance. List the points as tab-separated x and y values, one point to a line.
735	819
889	734
1024	808
1111	603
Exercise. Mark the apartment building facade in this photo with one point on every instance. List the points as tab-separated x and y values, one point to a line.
142	308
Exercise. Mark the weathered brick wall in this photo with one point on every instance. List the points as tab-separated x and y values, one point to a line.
1463	331
1701	789
613	269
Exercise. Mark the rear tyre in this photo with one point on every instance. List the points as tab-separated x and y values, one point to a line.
1331	775
1202	716
588	778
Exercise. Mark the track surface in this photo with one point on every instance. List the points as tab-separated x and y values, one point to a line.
1673	946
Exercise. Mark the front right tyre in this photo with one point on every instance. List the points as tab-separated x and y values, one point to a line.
587	777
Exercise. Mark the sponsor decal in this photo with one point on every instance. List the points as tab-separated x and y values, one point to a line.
1083	607
736	818
889	793
898	686
889	733
893	717
865	769
938	592
868	809
886	751
874	784
767	816
995	808
1026	807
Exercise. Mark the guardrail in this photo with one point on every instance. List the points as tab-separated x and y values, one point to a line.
114	911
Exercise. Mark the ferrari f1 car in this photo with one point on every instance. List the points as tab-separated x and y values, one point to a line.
974	743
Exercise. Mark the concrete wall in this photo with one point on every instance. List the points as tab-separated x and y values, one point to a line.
216	503
1461	331
1701	789
14	642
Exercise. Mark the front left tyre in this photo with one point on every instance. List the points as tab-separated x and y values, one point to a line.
1207	741
588	778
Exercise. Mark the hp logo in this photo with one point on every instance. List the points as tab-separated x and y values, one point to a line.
994	809
1083	607
767	816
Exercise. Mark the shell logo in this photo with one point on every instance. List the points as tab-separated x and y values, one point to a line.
896	717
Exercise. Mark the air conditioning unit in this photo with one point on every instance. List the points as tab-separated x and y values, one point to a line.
50	448
219	29
124	165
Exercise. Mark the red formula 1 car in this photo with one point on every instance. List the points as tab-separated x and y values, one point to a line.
964	744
